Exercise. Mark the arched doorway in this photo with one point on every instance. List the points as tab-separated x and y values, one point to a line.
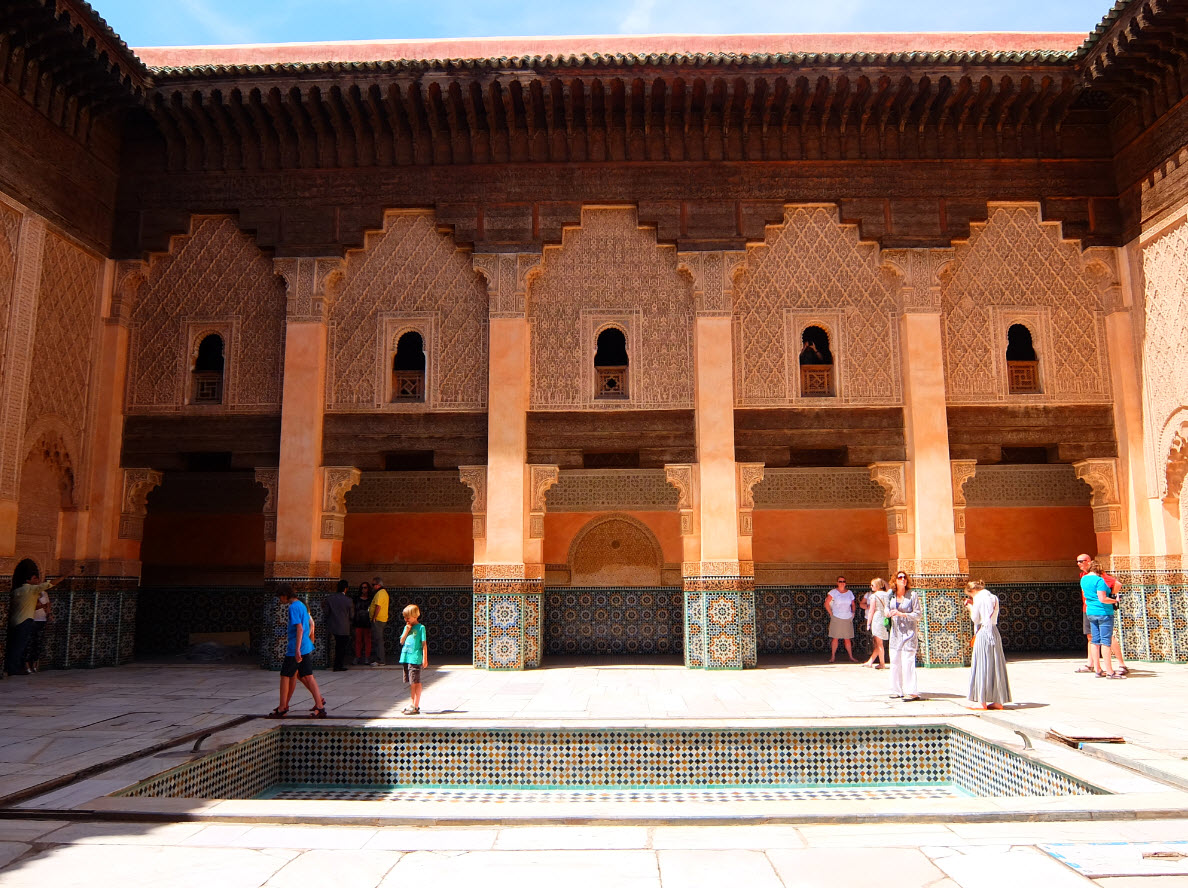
615	603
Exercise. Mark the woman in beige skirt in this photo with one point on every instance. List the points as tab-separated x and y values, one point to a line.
839	604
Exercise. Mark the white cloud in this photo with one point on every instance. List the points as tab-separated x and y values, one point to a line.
219	27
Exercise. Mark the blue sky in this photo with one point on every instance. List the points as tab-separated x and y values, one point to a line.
190	22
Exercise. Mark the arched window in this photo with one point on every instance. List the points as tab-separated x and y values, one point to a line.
816	364
408	368
208	371
611	365
1022	362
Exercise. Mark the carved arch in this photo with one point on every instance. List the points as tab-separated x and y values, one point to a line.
53	438
595	559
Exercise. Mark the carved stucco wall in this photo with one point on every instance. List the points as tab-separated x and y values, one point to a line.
610	271
214	279
65	345
10	224
813	270
1015	265
1165	344
409	276
615	550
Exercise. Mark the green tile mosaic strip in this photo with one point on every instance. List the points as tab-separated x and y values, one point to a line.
688	759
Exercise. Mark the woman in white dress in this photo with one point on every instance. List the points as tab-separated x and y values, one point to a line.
988	683
876	616
905	610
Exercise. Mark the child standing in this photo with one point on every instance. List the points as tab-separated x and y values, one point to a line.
414	655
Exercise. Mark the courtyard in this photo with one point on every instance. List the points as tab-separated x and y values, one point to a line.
70	738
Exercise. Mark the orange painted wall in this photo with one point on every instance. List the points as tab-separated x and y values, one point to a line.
175	538
1054	533
818	535
408	538
562	527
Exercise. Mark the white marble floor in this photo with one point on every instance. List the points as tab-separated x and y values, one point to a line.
54	724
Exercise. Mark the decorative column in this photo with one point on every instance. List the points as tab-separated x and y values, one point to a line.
934	566
720	585
307	550
508	587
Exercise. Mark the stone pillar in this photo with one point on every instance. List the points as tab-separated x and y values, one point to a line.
307	550
720	585
508	586
934	566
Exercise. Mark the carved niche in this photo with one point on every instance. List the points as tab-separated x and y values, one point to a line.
747	475
269	479
217	276
65	344
615	550
684	478
540	479
475	477
812	263
610	265
1014	266
408	276
962	470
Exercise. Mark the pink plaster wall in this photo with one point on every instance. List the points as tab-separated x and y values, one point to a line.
408	538
820	535
1033	534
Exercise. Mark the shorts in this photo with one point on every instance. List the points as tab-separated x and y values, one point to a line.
412	673
839	628
1101	629
291	667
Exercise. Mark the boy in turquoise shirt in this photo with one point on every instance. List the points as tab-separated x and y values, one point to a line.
414	655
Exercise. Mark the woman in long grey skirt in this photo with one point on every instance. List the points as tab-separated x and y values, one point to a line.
988	683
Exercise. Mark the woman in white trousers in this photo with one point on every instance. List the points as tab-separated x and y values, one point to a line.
905	610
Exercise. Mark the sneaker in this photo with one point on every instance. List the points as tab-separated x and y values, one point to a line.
375	663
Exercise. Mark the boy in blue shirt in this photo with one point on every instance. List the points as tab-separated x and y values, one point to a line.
414	655
298	662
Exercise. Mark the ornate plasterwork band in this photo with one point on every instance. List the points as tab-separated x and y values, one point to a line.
21	326
892	477
506	275
963	470
311	284
511	571
269	479
336	482
540	479
714	569
475	477
921	271
748	475
138	484
1101	475
713	279
683	476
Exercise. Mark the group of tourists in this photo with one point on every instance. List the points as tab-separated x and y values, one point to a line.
366	617
892	617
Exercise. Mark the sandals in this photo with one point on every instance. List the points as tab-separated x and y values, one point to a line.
912	698
278	713
318	711
412	710
1115	675
1084	669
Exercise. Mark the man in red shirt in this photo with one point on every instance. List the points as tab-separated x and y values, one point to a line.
1083	562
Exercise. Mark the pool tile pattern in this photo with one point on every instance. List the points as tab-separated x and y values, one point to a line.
686	759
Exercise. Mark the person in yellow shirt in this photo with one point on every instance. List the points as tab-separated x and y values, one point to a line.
27	588
379	621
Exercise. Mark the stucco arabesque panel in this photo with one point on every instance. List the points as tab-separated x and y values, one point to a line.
65	346
1015	266
214	272
404	271
608	265
1165	345
811	263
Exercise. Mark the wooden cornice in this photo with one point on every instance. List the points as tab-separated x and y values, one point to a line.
363	119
